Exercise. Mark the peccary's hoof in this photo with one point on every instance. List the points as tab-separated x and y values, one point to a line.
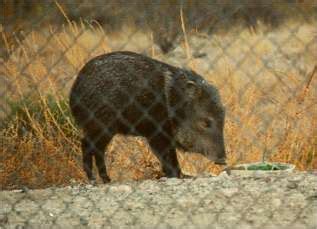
227	170
93	182
105	180
221	161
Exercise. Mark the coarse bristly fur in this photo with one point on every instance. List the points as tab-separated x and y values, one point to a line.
129	93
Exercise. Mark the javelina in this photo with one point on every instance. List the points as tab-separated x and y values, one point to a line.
131	94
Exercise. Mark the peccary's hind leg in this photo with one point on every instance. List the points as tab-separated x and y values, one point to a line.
100	159
88	154
166	153
95	147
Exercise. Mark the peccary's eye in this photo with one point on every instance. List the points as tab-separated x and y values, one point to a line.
207	123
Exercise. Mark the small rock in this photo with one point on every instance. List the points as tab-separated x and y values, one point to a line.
4	219
163	179
89	186
73	182
173	181
268	179
295	179
292	185
83	221
276	202
228	192
25	189
313	197
121	188
225	174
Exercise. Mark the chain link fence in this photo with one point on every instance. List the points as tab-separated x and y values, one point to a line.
209	78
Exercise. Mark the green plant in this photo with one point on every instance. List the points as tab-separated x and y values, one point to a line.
32	113
267	167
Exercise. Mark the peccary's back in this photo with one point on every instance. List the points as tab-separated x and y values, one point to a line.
120	90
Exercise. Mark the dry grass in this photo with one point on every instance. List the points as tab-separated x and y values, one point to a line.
272	115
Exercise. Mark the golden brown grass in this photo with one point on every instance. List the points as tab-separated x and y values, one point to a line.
273	117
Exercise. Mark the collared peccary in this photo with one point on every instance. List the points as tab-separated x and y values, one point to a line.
131	94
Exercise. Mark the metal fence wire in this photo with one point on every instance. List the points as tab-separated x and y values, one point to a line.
178	94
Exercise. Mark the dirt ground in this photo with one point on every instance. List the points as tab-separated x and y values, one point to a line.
263	200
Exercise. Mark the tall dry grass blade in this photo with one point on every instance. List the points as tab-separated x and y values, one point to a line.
60	109
5	40
82	24
49	116
32	121
152	45
66	17
301	98
23	49
99	27
187	48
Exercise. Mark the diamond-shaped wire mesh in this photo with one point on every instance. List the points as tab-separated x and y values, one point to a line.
168	89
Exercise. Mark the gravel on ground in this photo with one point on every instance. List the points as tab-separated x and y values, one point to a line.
264	200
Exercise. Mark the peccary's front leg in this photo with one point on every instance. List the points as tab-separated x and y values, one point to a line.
170	164
165	150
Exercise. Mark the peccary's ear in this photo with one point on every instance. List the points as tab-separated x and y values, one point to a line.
193	90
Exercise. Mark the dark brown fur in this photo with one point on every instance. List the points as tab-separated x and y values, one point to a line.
128	93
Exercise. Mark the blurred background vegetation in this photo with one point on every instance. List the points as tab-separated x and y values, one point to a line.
158	16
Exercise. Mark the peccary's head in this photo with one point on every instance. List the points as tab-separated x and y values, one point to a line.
201	126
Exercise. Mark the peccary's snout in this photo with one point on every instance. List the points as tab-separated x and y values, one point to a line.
221	161
221	156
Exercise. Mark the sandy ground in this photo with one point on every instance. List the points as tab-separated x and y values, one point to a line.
270	200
